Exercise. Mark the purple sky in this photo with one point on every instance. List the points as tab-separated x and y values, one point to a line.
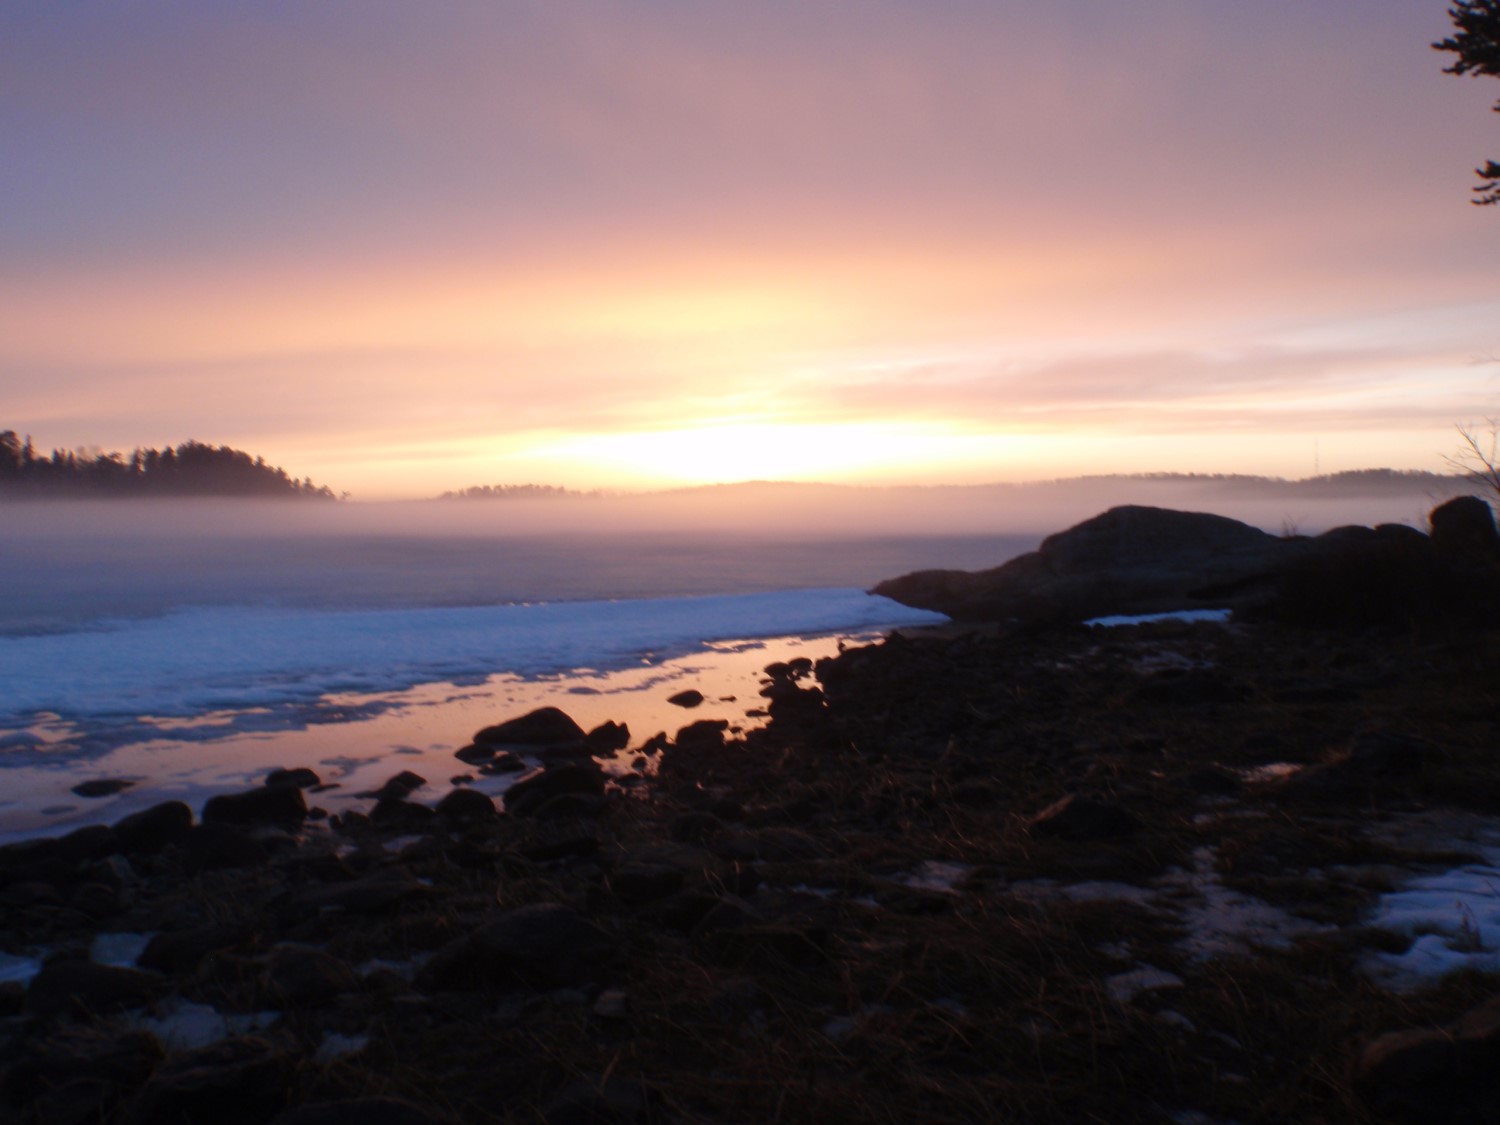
409	247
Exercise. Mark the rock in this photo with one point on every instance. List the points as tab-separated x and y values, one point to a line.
1465	525
545	944
299	777
400	787
111	1062
612	1004
299	974
1388	752
686	699
359	1111
681	911
1128	560
790	703
1400	533
545	726
772	844
569	806
563	838
1188	687
97	900
770	946
608	737
704	735
103	787
730	913
240	1081
637	882
95	841
180	951
379	890
1377	764
529	793
1082	818
83	987
695	827
504	762
275	805
1214	781
466	806
151	830
474	754
602	1100
393	812
1435	1075
214	847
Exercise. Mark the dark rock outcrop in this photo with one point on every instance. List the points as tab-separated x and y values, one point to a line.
1128	560
69	986
152	829
546	726
1139	560
269	804
529	793
545	944
1447	1074
1465	525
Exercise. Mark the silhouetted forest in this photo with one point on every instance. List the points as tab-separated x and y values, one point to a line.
191	469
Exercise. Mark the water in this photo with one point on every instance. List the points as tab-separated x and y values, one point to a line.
189	664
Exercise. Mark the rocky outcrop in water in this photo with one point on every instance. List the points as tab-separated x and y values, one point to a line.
1139	560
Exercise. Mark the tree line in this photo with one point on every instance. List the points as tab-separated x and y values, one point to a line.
515	492
190	469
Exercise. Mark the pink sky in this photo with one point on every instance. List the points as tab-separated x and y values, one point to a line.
406	248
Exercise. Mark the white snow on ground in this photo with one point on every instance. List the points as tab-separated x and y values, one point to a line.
181	1025
197	660
937	875
1034	890
1218	616
1221	922
120	950
1125	987
1453	918
1216	921
14	967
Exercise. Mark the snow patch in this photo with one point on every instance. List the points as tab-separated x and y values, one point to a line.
118	950
1453	917
1125	987
1216	616
18	967
193	661
184	1026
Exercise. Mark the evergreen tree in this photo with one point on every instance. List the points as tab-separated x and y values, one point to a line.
1477	45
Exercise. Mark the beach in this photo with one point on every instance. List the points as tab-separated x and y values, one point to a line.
1125	874
318	864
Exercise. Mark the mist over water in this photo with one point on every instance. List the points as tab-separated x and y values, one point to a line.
190	646
63	565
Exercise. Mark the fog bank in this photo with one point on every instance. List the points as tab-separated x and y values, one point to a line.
66	563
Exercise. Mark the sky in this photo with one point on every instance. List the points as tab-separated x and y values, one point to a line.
409	247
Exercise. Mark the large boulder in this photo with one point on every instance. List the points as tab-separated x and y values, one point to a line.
546	726
1130	559
1137	560
1465	525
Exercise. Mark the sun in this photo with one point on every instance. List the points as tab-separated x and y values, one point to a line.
727	452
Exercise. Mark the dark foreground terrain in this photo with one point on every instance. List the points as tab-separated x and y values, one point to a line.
1085	875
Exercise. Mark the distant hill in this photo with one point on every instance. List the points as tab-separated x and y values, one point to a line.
190	469
1352	483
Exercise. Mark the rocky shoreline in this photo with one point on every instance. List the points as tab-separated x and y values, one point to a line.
972	874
